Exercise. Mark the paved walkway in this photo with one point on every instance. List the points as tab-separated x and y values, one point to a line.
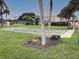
68	34
62	33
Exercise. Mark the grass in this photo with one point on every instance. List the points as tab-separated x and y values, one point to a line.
38	26
11	47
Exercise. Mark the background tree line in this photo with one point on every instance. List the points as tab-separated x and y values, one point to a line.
29	18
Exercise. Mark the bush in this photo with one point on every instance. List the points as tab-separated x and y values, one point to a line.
55	37
59	23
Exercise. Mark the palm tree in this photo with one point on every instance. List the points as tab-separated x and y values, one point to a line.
42	22
50	15
69	11
3	10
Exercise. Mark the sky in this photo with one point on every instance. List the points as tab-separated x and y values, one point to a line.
17	7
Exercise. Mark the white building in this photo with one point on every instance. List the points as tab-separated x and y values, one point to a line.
55	19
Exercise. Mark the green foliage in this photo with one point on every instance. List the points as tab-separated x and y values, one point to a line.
27	18
3	8
37	19
69	10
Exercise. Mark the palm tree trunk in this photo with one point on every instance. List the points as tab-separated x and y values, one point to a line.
1	21
42	22
50	15
1	18
3	10
74	22
68	23
61	19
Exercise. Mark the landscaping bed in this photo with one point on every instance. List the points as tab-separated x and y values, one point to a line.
37	43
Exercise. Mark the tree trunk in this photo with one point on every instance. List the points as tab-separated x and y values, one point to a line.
50	15
68	23
1	16
1	21
73	23
42	22
61	19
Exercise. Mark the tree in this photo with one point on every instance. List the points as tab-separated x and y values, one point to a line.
41	8
3	10
37	18
68	11
65	13
27	18
50	15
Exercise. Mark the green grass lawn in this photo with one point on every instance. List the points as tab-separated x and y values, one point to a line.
11	47
38	26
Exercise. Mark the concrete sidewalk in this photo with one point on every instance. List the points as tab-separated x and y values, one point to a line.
68	34
62	33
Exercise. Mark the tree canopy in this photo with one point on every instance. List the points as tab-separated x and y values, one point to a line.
69	10
27	16
3	8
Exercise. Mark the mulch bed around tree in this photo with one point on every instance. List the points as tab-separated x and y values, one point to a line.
36	43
